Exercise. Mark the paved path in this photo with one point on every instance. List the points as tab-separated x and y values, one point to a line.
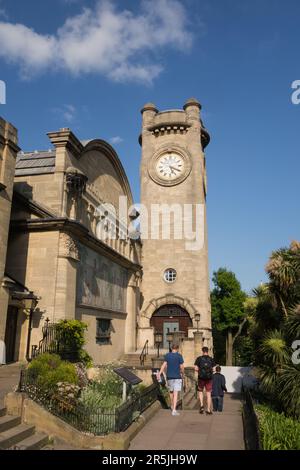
192	431
9	379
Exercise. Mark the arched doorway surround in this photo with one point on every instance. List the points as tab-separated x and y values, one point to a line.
170	318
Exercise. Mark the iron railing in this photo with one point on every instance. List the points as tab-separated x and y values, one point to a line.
144	353
251	425
49	342
85	418
130	410
53	342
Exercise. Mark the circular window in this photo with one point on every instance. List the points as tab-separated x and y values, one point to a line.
170	275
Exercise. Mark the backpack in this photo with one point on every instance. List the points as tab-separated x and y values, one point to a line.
205	368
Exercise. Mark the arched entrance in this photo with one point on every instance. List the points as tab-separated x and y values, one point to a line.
169	318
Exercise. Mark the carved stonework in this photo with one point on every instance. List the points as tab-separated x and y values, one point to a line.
68	247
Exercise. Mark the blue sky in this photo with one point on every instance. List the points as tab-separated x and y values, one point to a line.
238	57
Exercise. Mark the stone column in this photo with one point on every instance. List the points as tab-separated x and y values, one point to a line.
198	342
131	308
65	288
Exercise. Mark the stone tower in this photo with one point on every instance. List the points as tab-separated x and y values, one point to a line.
175	283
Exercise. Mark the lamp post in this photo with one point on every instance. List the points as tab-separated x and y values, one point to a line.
169	339
197	320
158	338
29	305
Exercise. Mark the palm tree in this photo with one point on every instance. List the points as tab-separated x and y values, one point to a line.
283	269
276	324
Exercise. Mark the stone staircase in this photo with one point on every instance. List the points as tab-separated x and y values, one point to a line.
133	360
15	435
189	401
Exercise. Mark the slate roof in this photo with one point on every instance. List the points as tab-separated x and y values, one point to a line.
35	163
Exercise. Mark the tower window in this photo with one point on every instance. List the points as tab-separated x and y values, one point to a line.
170	275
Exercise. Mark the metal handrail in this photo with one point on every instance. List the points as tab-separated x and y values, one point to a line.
144	353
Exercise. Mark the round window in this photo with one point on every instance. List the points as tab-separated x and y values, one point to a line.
170	275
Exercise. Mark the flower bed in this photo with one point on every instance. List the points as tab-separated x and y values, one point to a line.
90	406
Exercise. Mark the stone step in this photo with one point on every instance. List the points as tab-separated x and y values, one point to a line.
14	435
34	442
2	411
8	422
134	360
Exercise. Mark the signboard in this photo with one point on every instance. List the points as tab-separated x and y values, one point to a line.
127	375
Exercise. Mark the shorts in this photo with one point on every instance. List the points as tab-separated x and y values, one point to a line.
174	385
205	383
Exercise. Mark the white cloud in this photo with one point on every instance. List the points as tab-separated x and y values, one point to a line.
116	140
67	112
118	44
3	13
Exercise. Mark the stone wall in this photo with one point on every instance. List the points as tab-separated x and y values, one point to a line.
8	152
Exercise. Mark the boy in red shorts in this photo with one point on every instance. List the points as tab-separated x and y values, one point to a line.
204	366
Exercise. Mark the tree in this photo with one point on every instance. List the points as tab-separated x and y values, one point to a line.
228	312
276	324
283	269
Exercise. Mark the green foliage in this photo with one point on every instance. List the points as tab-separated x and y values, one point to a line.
276	325
277	431
105	392
49	369
292	326
219	345
95	396
243	350
273	348
227	300
289	389
71	333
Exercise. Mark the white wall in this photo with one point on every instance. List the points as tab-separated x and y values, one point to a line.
235	376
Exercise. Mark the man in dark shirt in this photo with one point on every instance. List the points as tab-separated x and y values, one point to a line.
218	389
173	361
204	366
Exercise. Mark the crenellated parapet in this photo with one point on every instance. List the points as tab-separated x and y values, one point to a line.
174	121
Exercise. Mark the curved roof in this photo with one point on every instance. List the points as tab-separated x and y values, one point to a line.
105	148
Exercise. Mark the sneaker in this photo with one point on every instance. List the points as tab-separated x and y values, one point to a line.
175	413
201	410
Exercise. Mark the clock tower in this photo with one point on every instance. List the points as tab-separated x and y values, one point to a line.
175	284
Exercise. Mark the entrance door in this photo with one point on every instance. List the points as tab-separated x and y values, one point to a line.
169	327
10	333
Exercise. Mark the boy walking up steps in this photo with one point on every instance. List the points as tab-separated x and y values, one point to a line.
218	389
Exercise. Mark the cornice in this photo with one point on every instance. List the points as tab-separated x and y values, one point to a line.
80	231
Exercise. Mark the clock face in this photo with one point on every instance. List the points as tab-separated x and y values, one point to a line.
170	166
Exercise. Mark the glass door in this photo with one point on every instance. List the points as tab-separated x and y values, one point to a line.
169	327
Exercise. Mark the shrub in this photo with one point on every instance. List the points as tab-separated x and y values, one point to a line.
49	369
71	339
277	431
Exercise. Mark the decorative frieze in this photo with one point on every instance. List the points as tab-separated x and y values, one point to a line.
68	247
